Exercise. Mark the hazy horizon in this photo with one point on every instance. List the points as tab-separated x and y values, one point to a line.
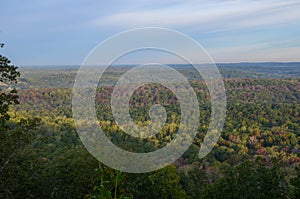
134	64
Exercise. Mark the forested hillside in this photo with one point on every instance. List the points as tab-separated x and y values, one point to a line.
257	155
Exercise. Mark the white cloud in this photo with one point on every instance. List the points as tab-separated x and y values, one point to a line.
210	15
221	16
255	53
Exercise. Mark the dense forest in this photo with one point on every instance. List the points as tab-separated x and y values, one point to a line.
257	155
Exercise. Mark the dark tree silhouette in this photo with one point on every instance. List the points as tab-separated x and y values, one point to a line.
8	95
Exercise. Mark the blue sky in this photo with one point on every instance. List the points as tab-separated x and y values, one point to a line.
52	32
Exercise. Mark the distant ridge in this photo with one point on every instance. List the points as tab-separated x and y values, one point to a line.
130	65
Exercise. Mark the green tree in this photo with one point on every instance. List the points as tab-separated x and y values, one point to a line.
248	180
19	163
8	95
111	184
193	180
164	183
72	174
295	182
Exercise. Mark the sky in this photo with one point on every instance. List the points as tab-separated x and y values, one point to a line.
63	32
